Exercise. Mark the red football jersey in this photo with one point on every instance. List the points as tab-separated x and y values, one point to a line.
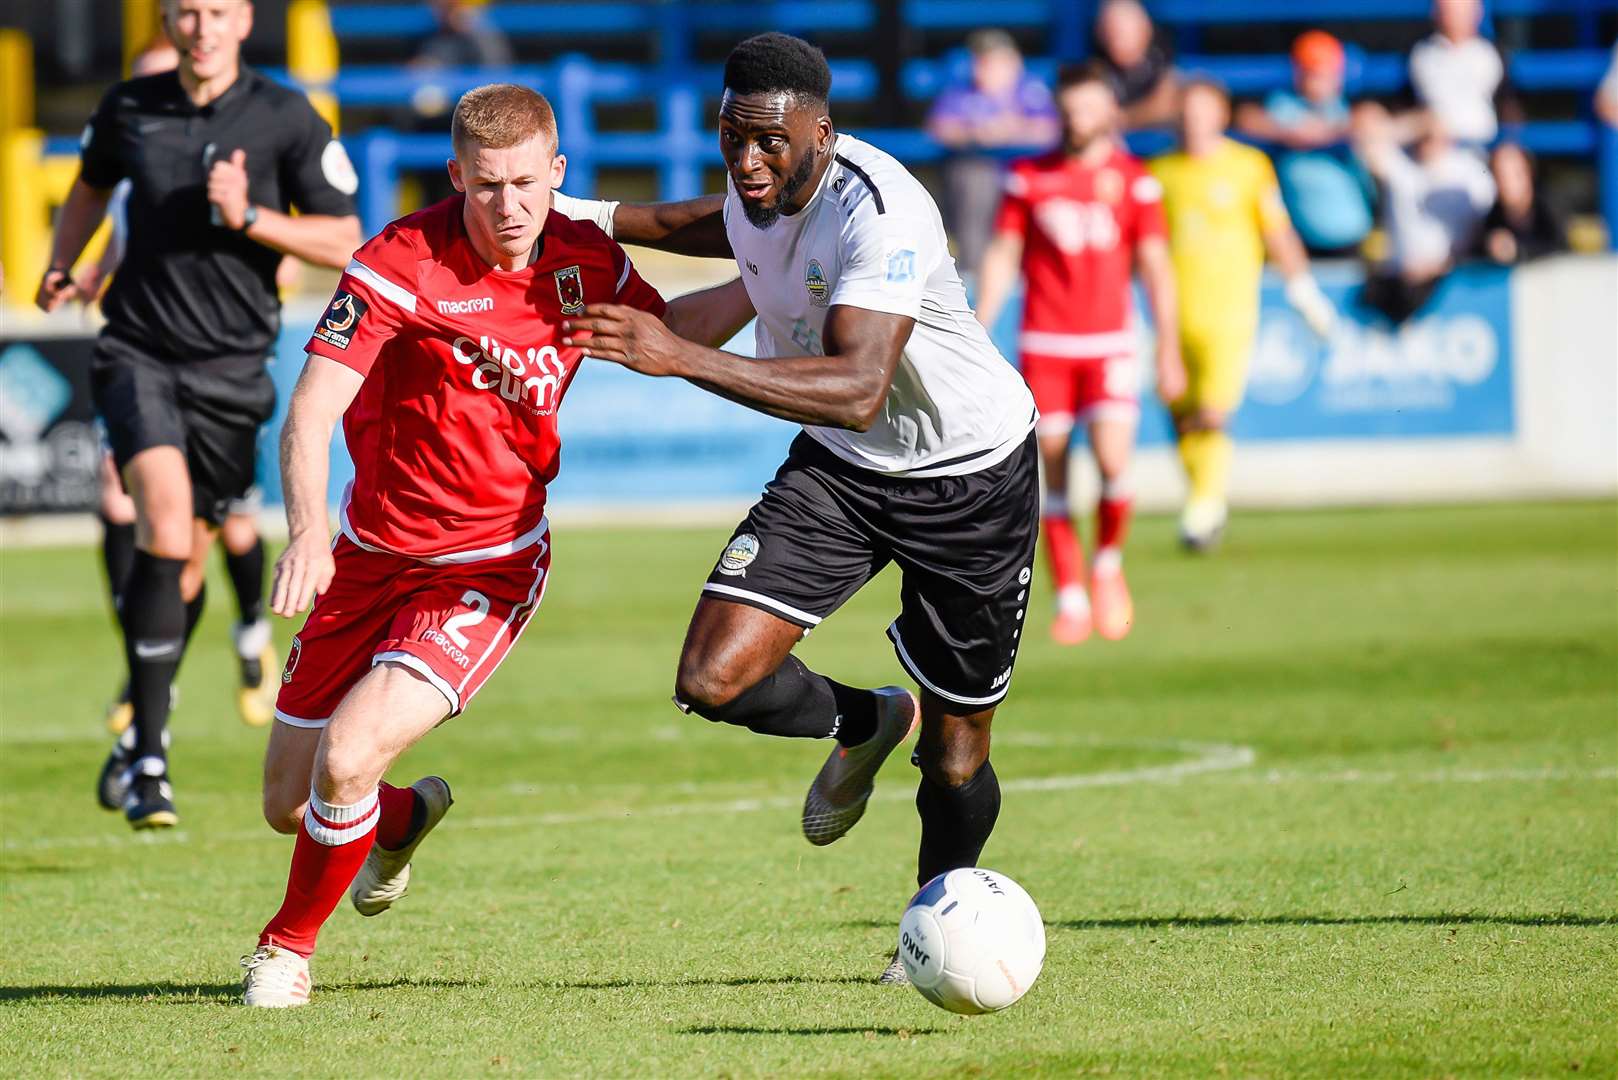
453	433
1079	225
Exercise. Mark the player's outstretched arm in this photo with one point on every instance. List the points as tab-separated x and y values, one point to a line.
845	388
711	316
305	568
80	217
694	227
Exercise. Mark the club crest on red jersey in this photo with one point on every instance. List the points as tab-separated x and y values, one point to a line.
570	290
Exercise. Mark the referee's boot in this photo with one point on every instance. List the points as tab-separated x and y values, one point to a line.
837	798
116	774
149	804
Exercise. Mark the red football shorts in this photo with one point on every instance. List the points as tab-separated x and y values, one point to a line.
1071	391
450	623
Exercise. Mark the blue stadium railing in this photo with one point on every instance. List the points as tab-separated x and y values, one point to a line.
1065	22
682	146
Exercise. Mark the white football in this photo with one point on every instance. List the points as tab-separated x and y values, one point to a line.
972	941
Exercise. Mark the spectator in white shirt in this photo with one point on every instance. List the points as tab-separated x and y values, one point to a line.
1458	75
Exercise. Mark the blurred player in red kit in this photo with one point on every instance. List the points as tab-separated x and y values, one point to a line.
442	354
1078	222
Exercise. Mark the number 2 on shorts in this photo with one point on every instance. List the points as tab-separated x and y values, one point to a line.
480	611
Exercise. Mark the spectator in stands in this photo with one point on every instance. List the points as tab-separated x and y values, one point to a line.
1606	102
1321	182
1130	47
1460	76
1435	198
462	37
1522	225
1002	106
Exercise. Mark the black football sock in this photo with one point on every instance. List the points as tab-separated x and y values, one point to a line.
792	702
955	822
117	555
193	614
154	619
857	710
247	578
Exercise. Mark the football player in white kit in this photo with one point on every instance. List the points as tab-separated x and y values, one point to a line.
917	448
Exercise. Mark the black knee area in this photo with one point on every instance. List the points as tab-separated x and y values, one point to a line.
791	701
955	821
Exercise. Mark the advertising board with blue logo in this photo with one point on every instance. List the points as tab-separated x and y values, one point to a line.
49	445
1447	371
628	439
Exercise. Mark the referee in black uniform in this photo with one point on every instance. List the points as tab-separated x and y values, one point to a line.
217	155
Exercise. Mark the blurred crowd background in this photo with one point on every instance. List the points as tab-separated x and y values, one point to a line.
1425	151
1408	134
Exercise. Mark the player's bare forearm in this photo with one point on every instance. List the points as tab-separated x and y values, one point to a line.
320	239
1287	250
1157	275
711	316
693	227
80	216
324	391
1162	297
997	274
78	220
305	568
844	388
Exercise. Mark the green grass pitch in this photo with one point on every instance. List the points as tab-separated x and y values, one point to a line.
1345	804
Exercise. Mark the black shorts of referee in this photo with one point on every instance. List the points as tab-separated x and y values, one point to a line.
964	544
210	410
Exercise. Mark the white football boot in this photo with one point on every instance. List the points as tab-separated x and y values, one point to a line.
837	798
385	877
276	978
1202	524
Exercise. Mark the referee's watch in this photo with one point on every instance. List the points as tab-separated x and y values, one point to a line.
249	218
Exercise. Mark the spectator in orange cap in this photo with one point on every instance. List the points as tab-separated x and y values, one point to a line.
1325	190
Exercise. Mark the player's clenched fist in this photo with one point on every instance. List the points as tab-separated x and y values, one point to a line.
303	571
227	189
628	336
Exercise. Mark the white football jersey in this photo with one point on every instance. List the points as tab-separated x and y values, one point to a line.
871	237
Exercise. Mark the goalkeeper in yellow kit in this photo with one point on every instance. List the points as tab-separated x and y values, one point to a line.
1223	208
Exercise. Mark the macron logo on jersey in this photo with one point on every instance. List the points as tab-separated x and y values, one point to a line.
466	307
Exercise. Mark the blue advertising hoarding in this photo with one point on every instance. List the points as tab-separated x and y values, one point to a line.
1447	372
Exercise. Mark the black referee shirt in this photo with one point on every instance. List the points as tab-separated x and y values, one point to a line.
188	290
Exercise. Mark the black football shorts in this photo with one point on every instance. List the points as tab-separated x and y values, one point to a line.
210	409
964	544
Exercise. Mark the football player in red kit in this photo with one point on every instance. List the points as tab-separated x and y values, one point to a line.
1078	222
442	353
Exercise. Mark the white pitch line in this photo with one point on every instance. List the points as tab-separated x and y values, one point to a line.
1211	758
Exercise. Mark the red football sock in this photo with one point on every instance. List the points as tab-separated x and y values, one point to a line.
332	844
1112	522
1062	547
396	808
